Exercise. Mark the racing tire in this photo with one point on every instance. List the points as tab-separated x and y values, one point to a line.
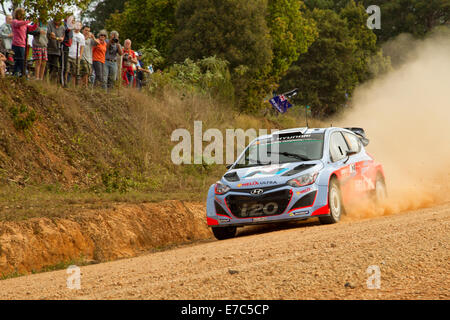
223	233
335	203
380	190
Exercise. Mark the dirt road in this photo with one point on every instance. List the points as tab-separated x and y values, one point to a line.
305	261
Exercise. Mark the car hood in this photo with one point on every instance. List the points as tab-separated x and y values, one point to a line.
270	175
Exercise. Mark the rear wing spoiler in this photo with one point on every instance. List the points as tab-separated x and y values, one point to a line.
361	135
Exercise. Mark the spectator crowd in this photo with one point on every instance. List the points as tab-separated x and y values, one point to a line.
69	53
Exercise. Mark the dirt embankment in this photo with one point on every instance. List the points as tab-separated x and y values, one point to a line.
99	235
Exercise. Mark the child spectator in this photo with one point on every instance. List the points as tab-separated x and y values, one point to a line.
98	57
2	65
40	56
19	43
129	61
75	52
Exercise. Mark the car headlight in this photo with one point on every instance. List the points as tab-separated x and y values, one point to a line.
304	180
221	188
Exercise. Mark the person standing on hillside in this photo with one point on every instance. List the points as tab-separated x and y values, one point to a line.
98	57
75	52
40	57
55	35
113	49
141	70
129	60
6	34
86	58
67	42
19	29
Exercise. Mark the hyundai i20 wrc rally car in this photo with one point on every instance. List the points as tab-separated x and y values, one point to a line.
294	175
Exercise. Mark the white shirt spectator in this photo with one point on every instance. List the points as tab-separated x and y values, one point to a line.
77	38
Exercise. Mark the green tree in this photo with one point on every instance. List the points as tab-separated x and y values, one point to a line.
149	23
99	11
232	30
291	33
335	5
355	17
327	74
45	10
417	17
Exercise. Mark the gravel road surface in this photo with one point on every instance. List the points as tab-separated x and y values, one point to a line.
302	261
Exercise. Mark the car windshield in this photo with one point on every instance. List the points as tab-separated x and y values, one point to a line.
283	149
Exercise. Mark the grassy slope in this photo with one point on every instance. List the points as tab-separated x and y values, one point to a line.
88	148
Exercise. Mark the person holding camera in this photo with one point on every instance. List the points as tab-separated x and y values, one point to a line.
129	64
113	49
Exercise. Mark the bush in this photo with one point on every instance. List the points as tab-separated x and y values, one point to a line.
208	76
23	117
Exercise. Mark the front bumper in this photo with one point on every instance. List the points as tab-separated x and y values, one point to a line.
241	208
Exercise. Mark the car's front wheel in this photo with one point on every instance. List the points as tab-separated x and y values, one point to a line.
223	233
335	204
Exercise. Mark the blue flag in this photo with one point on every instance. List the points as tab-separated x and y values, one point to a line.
280	103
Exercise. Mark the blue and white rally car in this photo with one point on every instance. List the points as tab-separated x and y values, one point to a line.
293	175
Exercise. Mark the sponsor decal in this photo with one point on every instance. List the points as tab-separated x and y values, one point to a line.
298	213
259	219
303	191
256	183
224	220
248	184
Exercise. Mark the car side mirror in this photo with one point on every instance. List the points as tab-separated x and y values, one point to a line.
365	141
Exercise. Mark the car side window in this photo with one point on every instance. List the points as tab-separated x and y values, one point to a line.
353	142
338	147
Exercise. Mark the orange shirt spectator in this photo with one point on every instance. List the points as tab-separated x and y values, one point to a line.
98	57
99	52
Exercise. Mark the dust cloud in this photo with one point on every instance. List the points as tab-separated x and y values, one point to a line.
406	115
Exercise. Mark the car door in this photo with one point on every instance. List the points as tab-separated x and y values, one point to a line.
345	167
365	177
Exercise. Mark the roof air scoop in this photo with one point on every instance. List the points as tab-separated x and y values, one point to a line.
232	177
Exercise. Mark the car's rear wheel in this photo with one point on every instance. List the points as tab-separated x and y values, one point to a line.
335	204
223	233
